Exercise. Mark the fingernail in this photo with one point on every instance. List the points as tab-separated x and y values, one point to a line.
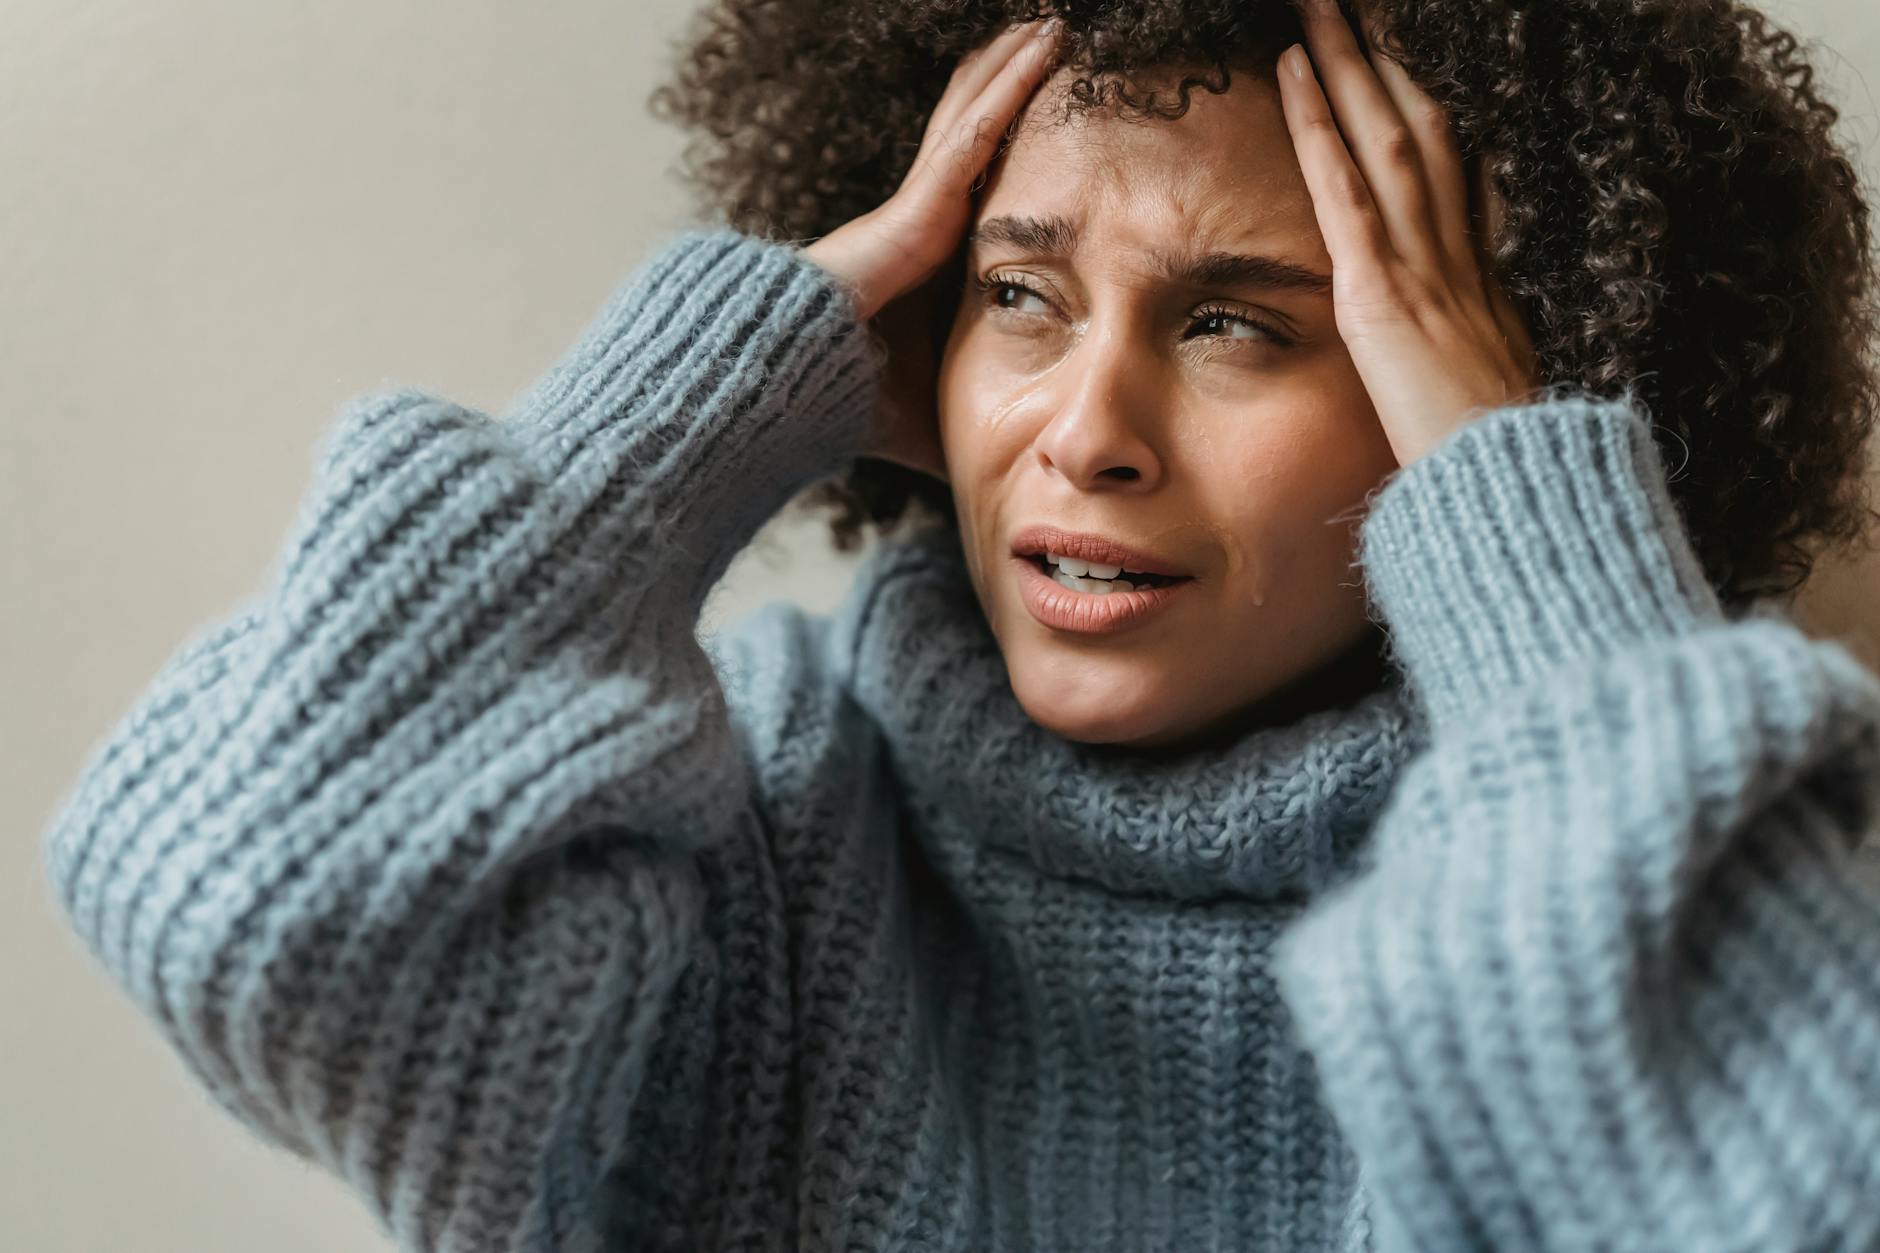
1295	60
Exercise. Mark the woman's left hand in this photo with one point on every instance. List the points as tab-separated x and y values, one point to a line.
1434	338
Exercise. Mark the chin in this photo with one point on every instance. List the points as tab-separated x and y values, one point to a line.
1096	712
1089	730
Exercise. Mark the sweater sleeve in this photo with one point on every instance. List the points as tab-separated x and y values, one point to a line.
399	856
1603	980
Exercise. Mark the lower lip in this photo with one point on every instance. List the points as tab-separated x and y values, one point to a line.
1089	613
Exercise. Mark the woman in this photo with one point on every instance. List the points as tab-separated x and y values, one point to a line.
1001	910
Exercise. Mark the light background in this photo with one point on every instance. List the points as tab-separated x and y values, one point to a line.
219	221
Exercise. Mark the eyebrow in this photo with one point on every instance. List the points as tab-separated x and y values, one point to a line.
1054	235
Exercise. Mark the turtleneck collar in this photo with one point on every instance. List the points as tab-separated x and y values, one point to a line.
1272	812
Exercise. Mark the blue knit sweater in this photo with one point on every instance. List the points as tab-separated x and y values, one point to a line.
456	863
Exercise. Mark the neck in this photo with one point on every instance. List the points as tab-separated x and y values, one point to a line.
1262	816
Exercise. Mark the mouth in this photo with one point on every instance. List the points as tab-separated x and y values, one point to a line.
1090	584
1095	564
1096	578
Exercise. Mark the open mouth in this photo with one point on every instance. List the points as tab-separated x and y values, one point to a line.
1098	579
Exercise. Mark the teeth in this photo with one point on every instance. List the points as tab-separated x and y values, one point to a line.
1081	569
1098	587
1087	576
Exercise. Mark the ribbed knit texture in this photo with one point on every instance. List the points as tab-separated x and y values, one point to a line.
454	863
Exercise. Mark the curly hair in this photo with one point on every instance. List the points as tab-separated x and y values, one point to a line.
1679	215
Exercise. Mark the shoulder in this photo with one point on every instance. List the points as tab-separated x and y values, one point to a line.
789	678
786	677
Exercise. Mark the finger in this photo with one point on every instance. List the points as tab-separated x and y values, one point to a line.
958	152
1444	174
978	68
1377	137
1004	98
1348	216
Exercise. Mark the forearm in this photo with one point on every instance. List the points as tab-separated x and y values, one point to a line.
1605	981
468	710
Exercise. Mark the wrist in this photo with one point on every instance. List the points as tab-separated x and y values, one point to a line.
836	257
1539	535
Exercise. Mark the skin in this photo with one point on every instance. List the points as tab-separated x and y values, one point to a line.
1224	427
1233	427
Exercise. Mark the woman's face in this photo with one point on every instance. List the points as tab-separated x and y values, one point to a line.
1152	359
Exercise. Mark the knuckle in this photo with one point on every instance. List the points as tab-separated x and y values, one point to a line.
1418	303
1398	147
1350	193
1374	295
1432	116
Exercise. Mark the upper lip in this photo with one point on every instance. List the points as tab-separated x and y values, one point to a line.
1087	546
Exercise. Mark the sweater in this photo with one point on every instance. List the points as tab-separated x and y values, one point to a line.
456	861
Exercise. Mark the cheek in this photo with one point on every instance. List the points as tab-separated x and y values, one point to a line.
979	438
981	407
1313	444
1314	456
1277	476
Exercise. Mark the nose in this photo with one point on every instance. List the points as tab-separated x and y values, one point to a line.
1101	435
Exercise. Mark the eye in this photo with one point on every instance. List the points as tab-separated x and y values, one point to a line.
1009	295
1235	325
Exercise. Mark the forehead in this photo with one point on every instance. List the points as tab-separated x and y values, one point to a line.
1224	168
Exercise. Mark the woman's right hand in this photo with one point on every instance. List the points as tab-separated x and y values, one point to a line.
888	257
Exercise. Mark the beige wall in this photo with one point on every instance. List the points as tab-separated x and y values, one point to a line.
219	221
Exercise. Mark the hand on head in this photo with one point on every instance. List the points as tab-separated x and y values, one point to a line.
888	257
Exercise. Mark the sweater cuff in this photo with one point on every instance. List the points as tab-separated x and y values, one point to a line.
721	378
1536	535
